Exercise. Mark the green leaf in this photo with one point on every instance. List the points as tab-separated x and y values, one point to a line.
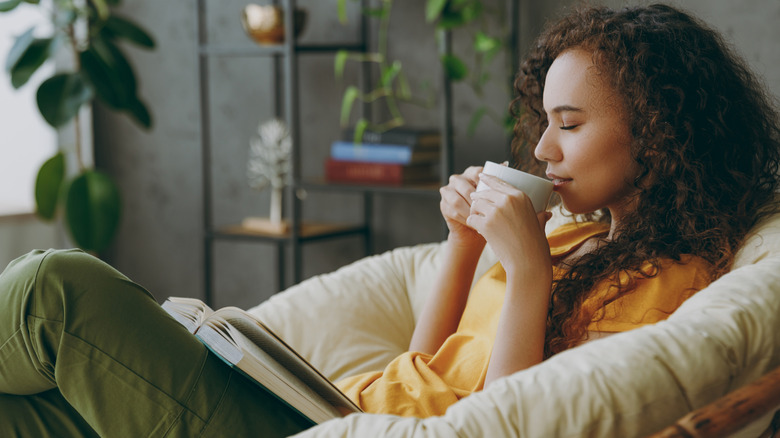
455	69
36	54
19	48
509	123
360	128
47	186
376	12
339	62
472	11
350	94
483	43
6	6
101	7
341	6
123	28
109	72
106	81
433	9
60	97
34	2
140	113
479	113
459	13
389	74
92	210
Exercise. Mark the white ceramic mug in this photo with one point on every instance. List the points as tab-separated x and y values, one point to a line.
537	189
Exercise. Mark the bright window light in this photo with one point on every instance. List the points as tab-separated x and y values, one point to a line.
26	140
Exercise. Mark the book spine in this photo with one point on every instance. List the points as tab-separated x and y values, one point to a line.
387	137
364	172
374	153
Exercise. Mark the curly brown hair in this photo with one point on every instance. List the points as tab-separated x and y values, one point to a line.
705	136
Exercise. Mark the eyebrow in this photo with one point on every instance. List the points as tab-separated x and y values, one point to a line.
566	108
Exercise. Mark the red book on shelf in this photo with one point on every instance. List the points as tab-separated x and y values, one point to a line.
361	172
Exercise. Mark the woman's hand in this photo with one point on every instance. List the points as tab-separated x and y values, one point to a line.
456	207
505	217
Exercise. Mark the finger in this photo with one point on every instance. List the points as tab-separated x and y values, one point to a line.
463	184
543	217
472	173
496	183
453	204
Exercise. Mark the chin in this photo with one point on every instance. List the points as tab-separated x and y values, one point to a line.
574	208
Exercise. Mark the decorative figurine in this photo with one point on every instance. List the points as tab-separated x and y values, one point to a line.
270	163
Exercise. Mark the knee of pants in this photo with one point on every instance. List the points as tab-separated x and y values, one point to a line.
69	275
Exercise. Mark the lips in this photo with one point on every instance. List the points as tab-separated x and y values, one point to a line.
557	180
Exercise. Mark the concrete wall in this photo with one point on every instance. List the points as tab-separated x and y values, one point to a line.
160	243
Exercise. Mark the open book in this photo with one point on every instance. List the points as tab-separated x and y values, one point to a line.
245	343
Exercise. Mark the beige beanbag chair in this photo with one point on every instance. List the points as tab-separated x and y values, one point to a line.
631	384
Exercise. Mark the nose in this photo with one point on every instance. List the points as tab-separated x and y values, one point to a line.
547	149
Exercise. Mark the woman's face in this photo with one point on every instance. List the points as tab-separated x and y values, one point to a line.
587	141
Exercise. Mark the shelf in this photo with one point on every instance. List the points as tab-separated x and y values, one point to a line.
309	231
428	189
251	49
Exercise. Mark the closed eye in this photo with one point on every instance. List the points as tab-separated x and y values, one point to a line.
568	127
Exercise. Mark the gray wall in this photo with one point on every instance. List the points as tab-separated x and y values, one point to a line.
159	171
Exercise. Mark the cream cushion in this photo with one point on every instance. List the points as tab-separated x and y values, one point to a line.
361	316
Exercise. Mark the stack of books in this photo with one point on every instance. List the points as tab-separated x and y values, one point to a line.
395	157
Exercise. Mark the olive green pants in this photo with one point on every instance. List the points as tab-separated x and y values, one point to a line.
86	352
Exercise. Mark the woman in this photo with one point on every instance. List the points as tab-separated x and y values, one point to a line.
641	114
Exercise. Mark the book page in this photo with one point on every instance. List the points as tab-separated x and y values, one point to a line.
190	312
263	337
233	347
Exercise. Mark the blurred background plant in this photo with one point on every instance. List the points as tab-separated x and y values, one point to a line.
488	41
87	33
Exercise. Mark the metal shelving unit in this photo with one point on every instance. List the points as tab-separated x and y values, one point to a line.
286	71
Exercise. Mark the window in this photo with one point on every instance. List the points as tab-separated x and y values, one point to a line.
26	140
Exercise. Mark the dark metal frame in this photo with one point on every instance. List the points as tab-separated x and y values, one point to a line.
286	70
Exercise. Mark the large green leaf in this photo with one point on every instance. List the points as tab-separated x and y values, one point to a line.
126	29
100	69
6	6
19	48
48	184
60	97
92	210
140	113
36	54
455	69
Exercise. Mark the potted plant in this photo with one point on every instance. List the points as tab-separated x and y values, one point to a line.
89	32
447	16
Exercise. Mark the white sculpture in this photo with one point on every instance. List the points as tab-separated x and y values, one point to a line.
270	163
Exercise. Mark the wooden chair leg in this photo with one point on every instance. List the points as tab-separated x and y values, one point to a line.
731	412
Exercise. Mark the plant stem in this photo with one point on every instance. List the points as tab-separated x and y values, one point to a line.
77	117
384	26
